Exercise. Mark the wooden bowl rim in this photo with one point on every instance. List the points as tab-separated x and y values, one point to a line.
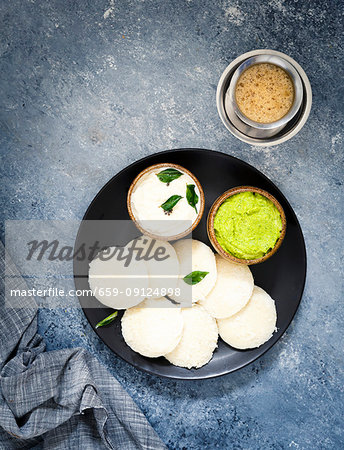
215	206
201	205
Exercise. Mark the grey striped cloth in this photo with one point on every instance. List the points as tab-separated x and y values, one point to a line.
60	399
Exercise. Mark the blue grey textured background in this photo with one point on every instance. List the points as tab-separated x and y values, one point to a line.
89	86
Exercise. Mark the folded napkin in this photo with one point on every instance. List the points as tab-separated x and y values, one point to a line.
60	399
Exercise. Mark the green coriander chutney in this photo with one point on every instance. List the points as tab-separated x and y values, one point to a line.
247	225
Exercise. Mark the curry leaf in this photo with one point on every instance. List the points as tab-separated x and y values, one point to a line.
168	175
109	319
194	277
191	196
171	203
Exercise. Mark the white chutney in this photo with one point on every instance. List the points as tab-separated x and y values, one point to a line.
150	193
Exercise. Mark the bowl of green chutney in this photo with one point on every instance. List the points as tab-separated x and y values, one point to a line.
246	225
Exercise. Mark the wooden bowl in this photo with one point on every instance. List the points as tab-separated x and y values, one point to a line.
158	167
211	232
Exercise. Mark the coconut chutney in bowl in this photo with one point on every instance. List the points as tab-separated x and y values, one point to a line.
166	201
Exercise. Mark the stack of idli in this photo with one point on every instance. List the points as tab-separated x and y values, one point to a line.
112	278
163	269
153	328
198	340
253	325
109	278
224	300
232	290
195	256
245	313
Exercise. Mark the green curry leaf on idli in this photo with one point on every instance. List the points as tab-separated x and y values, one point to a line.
194	277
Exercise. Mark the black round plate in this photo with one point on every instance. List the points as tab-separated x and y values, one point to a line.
282	276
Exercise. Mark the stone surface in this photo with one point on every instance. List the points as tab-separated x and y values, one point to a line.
88	87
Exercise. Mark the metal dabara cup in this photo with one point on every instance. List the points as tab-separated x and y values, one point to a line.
248	126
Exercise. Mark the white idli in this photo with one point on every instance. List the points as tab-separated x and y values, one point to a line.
253	325
153	328
233	289
113	284
162	265
194	256
198	341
